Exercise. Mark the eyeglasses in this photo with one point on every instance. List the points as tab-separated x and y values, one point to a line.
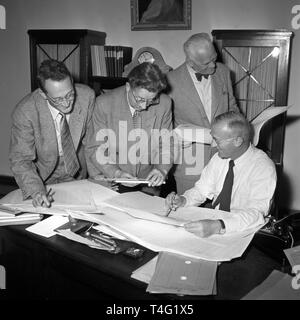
140	100
220	141
61	100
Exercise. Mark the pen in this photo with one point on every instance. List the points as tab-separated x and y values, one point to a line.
47	195
171	204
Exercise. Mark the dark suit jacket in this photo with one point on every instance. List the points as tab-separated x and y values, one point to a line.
33	147
188	108
112	112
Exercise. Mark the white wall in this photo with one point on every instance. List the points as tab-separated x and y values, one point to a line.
113	17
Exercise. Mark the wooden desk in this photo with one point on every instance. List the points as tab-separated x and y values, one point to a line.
57	268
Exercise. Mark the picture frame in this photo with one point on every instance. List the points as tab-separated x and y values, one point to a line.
160	15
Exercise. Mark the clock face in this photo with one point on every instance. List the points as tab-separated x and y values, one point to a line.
146	57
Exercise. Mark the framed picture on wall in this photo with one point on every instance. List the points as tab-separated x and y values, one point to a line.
160	14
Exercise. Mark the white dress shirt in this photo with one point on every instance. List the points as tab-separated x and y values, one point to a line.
57	123
203	88
252	191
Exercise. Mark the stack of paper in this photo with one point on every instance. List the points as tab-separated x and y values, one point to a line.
177	274
10	216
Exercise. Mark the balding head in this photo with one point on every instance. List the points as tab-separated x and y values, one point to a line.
232	133
200	53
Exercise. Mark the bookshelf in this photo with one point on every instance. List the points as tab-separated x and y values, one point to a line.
108	64
73	46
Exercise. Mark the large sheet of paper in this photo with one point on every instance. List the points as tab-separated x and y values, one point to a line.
141	222
262	118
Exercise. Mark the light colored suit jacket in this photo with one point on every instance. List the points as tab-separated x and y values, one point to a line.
112	112
33	147
188	108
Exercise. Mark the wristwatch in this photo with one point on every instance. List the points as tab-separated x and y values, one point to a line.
223	228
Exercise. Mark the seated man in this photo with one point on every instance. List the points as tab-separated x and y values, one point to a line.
239	178
48	133
130	132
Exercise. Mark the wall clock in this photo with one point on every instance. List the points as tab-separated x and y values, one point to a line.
147	54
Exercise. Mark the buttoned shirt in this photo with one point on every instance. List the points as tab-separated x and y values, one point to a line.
57	123
253	188
203	88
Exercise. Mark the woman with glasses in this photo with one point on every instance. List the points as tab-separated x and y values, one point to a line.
129	138
48	127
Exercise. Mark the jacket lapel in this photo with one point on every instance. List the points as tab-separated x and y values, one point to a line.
47	124
191	92
216	93
76	123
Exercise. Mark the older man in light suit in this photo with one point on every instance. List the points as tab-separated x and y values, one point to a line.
200	89
48	133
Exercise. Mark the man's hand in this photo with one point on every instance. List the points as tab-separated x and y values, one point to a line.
125	175
174	201
156	178
41	199
203	228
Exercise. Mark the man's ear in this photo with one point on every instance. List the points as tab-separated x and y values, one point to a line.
238	141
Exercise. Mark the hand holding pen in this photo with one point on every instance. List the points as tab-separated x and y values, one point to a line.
173	202
43	198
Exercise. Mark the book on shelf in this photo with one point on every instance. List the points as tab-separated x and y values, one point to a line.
110	60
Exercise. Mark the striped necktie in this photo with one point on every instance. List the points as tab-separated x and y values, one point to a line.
70	157
137	119
224	198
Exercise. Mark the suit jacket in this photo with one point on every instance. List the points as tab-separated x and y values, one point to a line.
33	147
112	112
188	108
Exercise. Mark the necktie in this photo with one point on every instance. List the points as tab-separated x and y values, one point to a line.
137	120
70	158
224	197
199	76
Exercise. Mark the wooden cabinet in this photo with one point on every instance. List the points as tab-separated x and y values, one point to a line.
73	47
259	63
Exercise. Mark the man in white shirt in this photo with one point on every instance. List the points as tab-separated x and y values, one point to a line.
253	180
48	133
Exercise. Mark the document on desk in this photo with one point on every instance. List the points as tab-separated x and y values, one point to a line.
159	236
178	274
140	218
46	227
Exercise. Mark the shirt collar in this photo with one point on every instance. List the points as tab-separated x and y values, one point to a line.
132	110
245	156
193	76
54	112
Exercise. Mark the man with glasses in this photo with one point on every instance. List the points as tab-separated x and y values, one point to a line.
127	137
200	89
48	133
240	179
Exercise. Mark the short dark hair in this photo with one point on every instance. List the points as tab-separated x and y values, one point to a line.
54	70
148	76
236	121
